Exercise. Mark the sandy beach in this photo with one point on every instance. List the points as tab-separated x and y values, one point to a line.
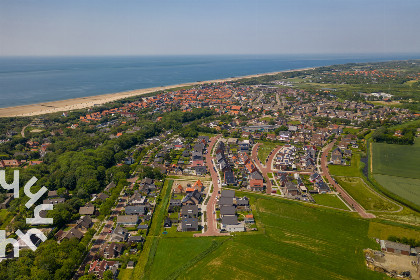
90	101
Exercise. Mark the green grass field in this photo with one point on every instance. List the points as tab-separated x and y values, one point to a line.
383	231
397	160
369	199
329	200
146	259
351	171
264	150
396	168
294	241
406	188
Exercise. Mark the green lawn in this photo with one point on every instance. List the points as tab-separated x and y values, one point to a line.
406	188
175	253
264	150
351	171
294	241
397	160
329	200
369	199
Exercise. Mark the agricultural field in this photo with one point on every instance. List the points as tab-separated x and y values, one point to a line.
397	160
330	200
384	231
369	199
294	241
396	168
406	188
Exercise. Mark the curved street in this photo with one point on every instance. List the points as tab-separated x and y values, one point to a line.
349	200
211	205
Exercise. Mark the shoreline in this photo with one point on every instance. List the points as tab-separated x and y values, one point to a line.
90	101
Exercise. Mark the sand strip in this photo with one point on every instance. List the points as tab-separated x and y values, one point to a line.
86	102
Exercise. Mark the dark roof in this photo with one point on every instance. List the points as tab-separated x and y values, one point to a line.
228	193
189	210
227	210
230	178
141	210
229	220
189	224
244	201
256	175
226	201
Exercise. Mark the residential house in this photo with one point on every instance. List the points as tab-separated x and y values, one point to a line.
189	224
119	234
136	210
84	223
231	224
189	211
112	250
127	220
99	267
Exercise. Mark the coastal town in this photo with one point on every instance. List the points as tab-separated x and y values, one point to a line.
193	163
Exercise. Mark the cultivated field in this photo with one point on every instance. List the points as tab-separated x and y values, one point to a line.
294	241
397	160
397	168
406	188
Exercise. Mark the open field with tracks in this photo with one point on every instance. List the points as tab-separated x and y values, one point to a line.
397	168
294	241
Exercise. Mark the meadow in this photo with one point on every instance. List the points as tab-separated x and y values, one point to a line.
406	188
330	200
397	160
397	169
368	198
265	149
294	241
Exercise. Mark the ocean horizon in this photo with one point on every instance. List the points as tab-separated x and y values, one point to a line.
30	80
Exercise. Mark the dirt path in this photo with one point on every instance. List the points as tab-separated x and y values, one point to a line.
23	131
350	201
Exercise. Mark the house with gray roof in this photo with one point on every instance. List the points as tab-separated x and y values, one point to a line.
231	224
127	220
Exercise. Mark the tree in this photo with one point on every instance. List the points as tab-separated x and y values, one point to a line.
108	275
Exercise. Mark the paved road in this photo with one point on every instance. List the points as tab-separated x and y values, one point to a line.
350	201
211	205
264	169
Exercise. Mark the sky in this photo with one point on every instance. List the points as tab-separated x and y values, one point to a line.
194	27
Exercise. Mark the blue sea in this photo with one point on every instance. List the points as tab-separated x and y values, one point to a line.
29	80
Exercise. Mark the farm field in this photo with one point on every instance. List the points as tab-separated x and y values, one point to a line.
396	168
329	200
369	199
397	160
294	241
384	231
406	188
